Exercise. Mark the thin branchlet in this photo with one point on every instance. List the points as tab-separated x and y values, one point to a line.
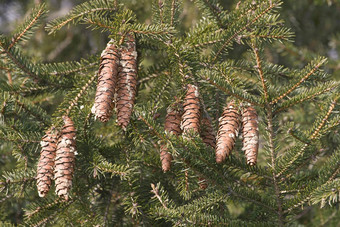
273	164
260	71
298	83
241	30
312	137
80	94
17	37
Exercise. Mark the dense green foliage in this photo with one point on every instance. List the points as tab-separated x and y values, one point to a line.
236	50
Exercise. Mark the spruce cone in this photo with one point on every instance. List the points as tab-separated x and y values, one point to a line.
65	158
207	132
107	80
46	162
202	183
173	120
191	107
250	134
229	124
172	125
166	158
127	81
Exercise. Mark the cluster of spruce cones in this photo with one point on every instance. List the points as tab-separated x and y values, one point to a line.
187	118
117	81
57	159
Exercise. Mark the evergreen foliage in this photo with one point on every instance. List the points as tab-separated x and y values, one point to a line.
118	178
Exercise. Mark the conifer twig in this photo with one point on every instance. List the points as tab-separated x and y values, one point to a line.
271	6
18	63
232	94
304	99
215	11
173	5
260	71
273	164
81	92
312	137
155	191
63	23
323	122
17	37
298	83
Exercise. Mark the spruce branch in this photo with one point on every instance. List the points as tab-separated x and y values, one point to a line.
260	71
312	137
155	192
18	140
173	9
80	94
144	79
326	189
213	9
78	12
30	214
69	67
235	34
28	25
292	88
228	89
273	163
16	57
306	94
34	111
324	119
114	169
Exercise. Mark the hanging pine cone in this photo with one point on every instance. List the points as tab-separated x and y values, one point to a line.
65	158
207	132
46	162
250	134
191	108
229	124
172	125
107	80
127	81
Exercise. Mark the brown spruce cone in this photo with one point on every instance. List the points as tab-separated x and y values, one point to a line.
250	134
191	108
166	158
207	132
127	81
202	183
107	80
172	125
65	158
46	162
229	124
